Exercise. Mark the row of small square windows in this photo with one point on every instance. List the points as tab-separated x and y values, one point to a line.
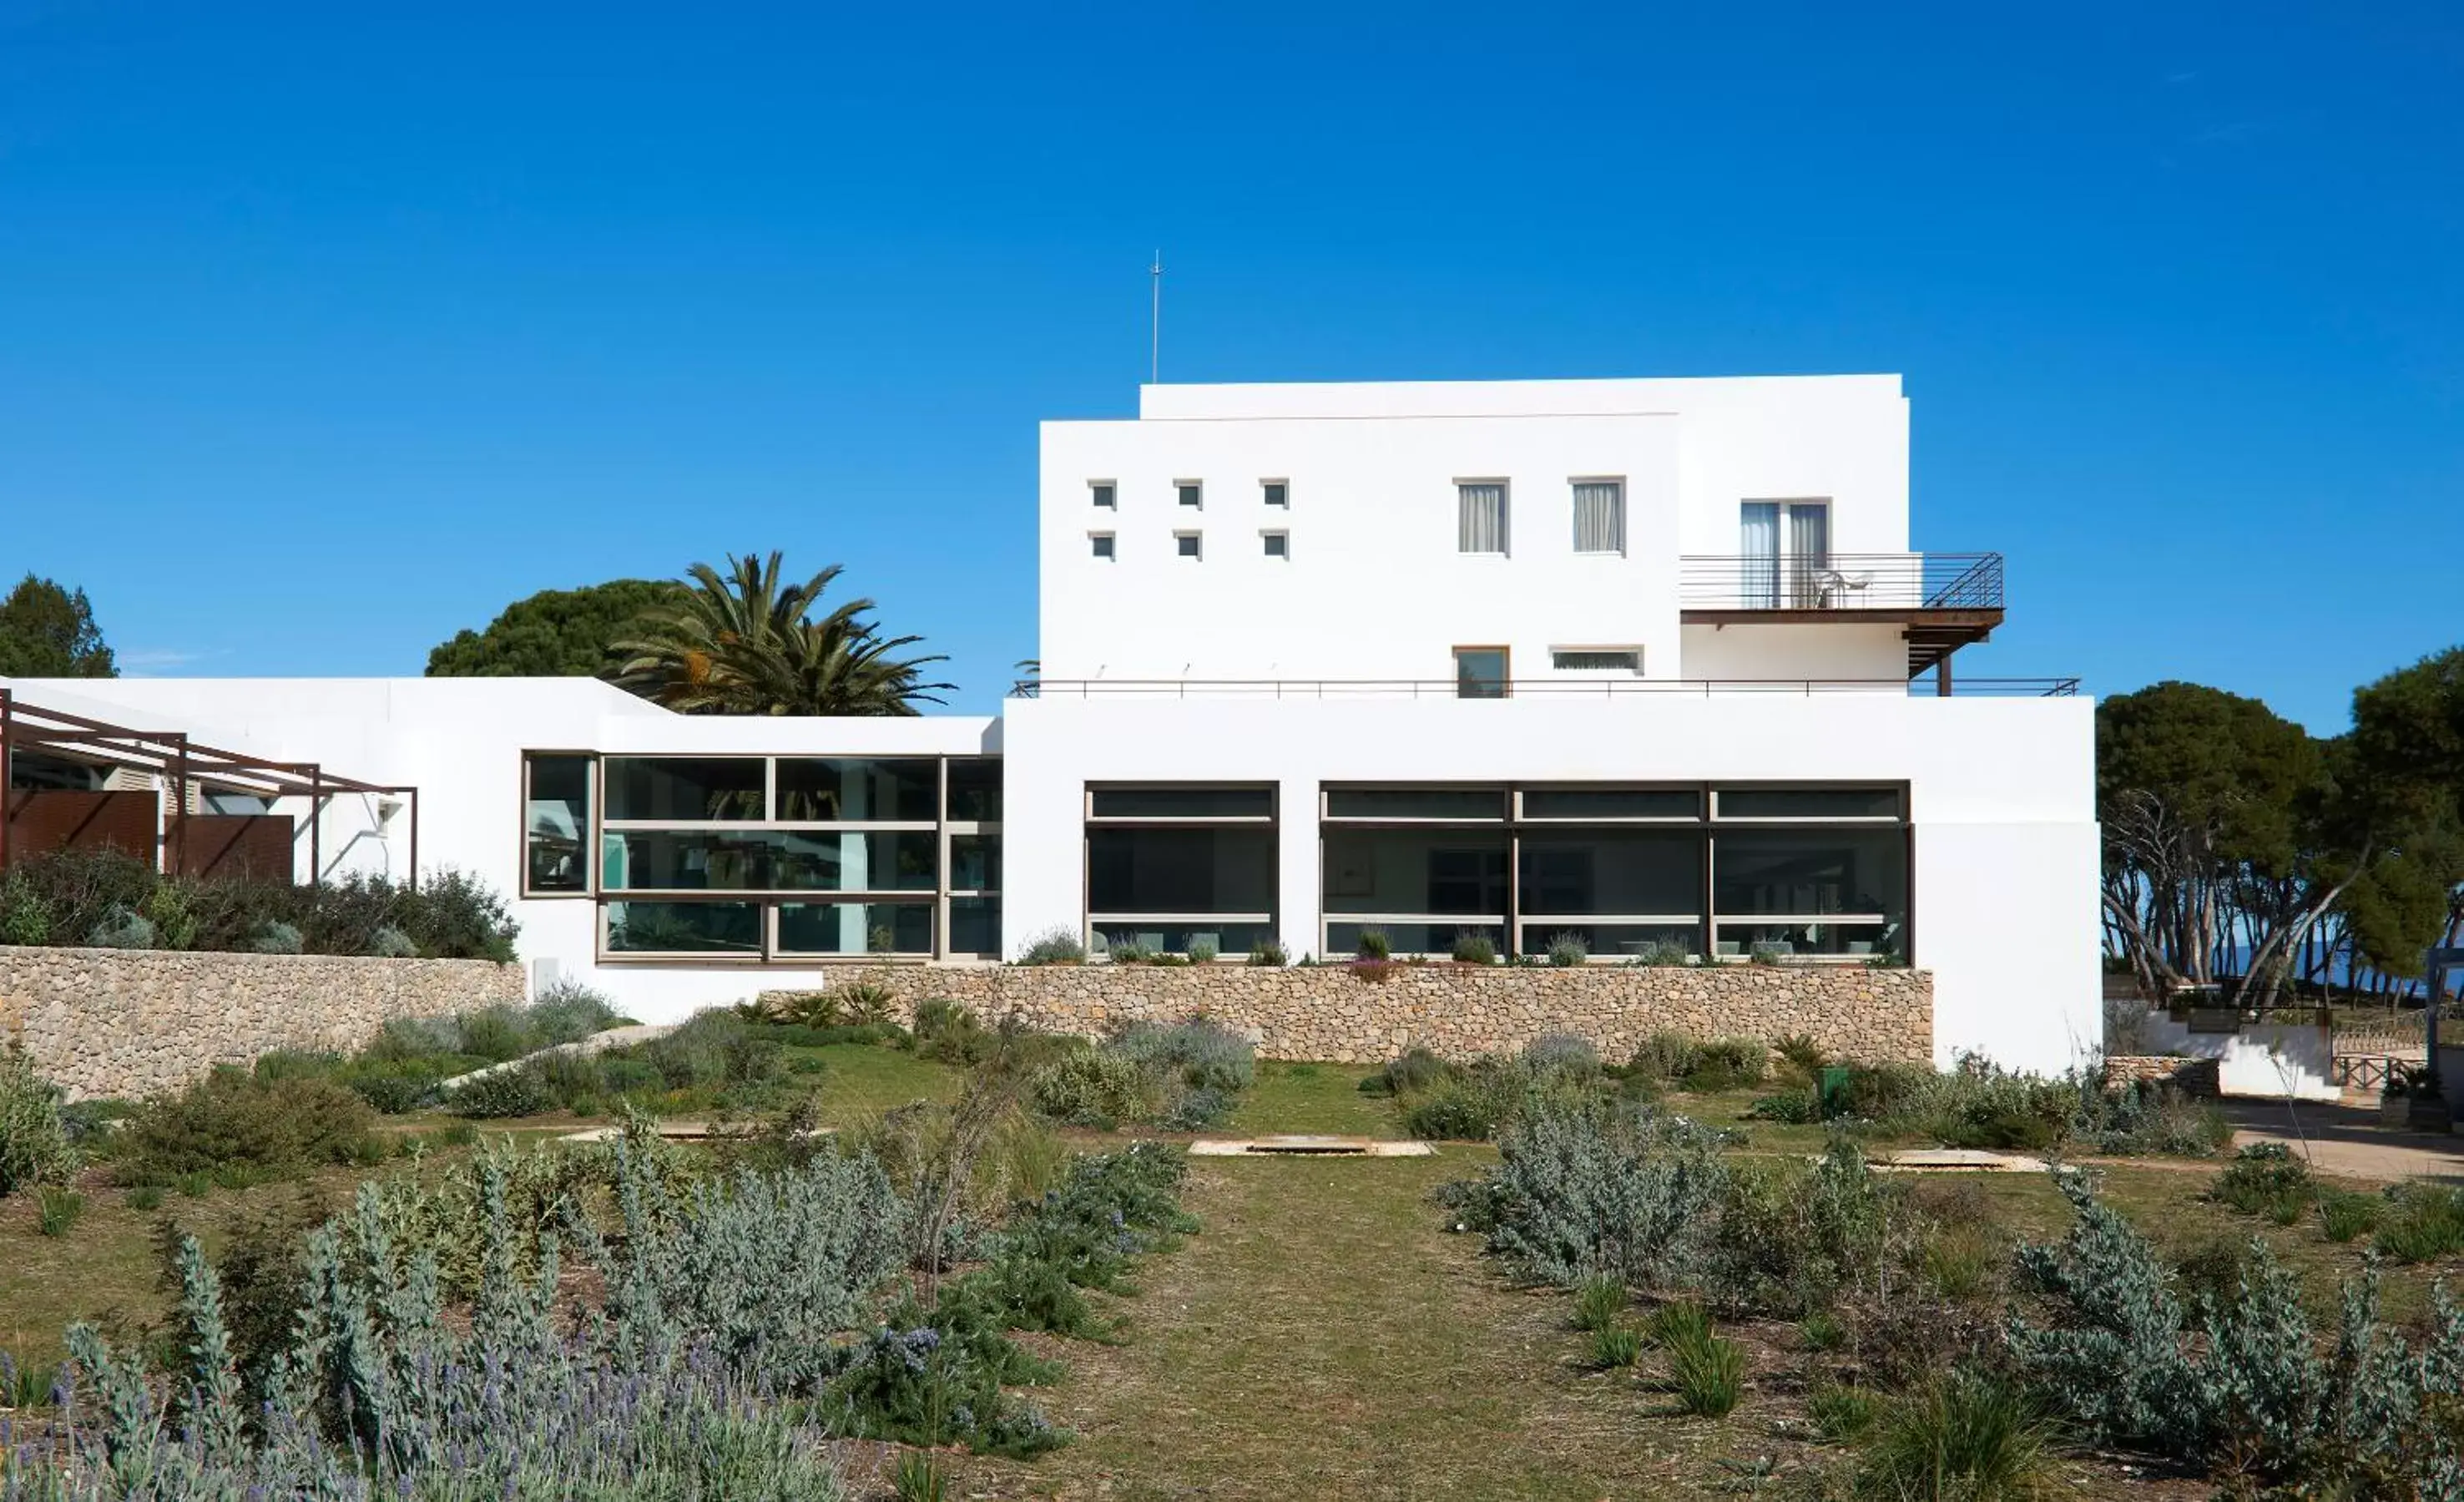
1192	544
1479	515
1189	493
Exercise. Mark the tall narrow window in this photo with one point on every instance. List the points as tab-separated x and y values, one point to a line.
1785	548
1600	516
1480	517
556	825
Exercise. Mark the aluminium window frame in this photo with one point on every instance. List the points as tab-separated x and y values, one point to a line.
588	839
1088	821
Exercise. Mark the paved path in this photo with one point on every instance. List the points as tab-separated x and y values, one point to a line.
2347	1142
596	1043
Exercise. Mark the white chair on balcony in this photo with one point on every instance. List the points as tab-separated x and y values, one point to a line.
1833	586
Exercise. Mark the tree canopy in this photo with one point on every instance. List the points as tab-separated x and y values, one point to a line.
49	633
745	643
2238	843
556	634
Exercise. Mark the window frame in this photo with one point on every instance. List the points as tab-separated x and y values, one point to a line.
1104	495
1505	679
1575	516
1102	548
1269	538
1504	517
1195	553
1092	922
1184	490
587	840
1277	494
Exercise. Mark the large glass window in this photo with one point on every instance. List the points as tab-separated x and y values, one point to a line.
1187	871
1810	872
859	789
855	928
974	862
1407	872
975	925
1606	874
636	927
1416	802
1343	934
975	791
762	860
688	789
1181	803
556	823
1809	802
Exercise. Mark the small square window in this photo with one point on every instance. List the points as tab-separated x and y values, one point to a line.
1186	543
1279	544
1101	491
1102	542
1277	493
1192	494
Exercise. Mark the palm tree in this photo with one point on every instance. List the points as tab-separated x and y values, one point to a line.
741	644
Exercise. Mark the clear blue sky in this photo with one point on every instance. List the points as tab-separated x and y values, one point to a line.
328	329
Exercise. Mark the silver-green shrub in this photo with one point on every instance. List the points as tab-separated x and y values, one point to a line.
274	936
34	1147
389	942
124	928
1583	1188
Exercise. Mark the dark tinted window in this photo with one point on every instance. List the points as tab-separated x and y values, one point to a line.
684	787
1809	802
1415	802
1183	802
1612	802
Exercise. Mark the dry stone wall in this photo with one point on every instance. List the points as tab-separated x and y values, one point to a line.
1335	1012
129	1021
2193	1076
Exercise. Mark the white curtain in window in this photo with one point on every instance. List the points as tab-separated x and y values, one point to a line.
1809	552
1479	518
1758	565
1599	517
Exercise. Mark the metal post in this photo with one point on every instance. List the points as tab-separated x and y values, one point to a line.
414	836
1941	677
180	800
316	822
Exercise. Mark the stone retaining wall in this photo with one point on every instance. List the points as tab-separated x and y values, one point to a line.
2193	1076
131	1021
1332	1012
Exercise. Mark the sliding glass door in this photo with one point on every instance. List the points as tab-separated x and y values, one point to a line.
1785	547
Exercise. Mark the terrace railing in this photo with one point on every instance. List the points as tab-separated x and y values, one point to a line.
1522	688
1841	581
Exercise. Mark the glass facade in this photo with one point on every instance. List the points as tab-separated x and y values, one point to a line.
1169	867
909	848
1624	868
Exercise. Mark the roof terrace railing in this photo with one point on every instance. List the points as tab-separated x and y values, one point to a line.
1840	581
1524	688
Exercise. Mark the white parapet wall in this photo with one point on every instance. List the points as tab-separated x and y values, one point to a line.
2271	1060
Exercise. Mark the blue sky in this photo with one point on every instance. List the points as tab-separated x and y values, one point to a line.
327	331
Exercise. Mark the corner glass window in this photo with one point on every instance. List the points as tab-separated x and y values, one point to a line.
556	823
688	788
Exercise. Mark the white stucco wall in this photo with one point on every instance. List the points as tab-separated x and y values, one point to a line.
1375	586
2001	795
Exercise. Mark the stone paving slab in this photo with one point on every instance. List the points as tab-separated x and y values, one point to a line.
1307	1146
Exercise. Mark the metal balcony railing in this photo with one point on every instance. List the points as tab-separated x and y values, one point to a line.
1841	581
1520	688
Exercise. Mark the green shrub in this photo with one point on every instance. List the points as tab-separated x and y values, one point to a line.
867	1004
1373	944
1840	1413
145	1196
949	1032
1201	951
274	936
389	943
1822	1331
1727	1064
24	920
2265	1178
1416	1068
1270	954
1054	946
1959	1437
231	1117
1568	950
2423	1223
123	928
1663	1056
1796	1107
59	1210
394	1087
1472	948
1662	952
519	1090
1800	1058
2345	1215
1563	1053
1615	1346
1095	1087
169	909
1598	1301
1790	1238
34	1146
1708	1374
567	1011
919	1478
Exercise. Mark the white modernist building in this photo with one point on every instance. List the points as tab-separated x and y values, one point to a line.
1650	663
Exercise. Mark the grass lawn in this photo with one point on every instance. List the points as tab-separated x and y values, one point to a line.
1315	1098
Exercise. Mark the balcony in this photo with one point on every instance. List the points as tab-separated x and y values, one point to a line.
1941	601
